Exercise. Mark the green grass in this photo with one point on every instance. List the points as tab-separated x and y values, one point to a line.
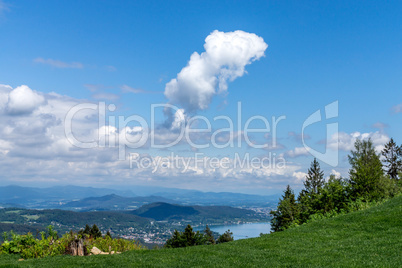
31	217
367	238
13	211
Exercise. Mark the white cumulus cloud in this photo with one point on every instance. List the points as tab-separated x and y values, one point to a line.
22	100
345	141
207	74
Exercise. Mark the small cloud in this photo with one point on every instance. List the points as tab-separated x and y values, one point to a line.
105	96
336	173
298	137
111	68
93	87
128	89
380	125
3	7
397	109
59	64
298	151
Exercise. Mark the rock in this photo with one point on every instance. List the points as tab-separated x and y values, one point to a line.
80	248
96	251
20	259
76	247
104	253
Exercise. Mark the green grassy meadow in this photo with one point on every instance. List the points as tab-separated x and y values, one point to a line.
366	238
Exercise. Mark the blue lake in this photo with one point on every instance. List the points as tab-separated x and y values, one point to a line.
241	231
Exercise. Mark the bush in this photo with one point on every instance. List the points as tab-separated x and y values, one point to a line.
187	238
225	237
108	244
51	245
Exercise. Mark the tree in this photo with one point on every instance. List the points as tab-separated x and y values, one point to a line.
209	235
314	179
225	237
95	232
309	197
186	239
334	195
108	234
392	154
87	230
366	171
286	213
176	241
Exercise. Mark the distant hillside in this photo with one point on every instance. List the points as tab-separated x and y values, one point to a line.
50	197
367	238
113	202
65	220
20	228
162	211
192	197
58	197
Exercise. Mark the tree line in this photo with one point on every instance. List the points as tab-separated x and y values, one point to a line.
190	238
371	178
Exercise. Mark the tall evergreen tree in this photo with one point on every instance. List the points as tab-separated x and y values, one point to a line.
286	213
87	230
309	197
95	232
392	154
314	179
366	171
209	235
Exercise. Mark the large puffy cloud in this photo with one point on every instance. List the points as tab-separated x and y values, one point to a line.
207	74
21	100
345	141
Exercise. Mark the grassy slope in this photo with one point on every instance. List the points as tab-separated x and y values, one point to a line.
372	237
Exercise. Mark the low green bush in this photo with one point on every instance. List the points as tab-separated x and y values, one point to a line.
51	245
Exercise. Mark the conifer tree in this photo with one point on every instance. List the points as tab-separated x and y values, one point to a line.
309	197
286	213
366	171
314	179
209	235
95	232
392	154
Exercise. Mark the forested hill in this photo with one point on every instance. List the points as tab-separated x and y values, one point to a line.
163	211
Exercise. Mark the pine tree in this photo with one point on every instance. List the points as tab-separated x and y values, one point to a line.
392	159
366	171
95	232
314	179
310	197
87	230
189	235
185	239
209	235
286	213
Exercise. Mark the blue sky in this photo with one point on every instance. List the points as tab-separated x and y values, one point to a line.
90	51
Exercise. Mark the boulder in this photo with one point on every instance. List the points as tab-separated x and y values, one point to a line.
96	251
